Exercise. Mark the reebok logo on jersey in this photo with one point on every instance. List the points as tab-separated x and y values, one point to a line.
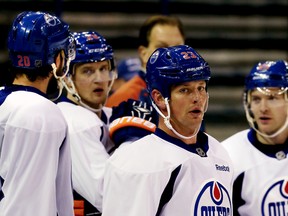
222	168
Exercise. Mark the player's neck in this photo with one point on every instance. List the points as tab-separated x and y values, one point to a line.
40	84
162	126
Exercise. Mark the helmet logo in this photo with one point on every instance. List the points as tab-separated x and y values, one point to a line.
259	76
154	57
265	66
50	20
38	63
92	36
195	69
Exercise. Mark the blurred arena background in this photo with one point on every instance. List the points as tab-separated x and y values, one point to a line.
232	35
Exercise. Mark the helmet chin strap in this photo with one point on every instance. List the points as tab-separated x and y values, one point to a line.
167	121
60	78
251	121
252	124
53	65
78	98
72	90
88	107
74	93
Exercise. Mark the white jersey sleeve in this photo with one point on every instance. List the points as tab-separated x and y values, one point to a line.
35	161
89	155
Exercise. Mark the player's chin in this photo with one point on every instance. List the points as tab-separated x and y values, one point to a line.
267	129
96	101
194	120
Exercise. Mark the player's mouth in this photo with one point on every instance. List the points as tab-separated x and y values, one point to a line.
264	120
195	112
98	90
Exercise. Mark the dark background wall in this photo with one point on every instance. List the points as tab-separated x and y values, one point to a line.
232	35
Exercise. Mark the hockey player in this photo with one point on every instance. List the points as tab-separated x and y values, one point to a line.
157	31
179	170
35	159
88	84
259	154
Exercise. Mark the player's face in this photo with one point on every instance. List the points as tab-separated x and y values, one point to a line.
161	36
188	104
269	109
92	81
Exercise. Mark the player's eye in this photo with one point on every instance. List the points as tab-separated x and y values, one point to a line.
201	88
87	71
184	90
104	69
255	99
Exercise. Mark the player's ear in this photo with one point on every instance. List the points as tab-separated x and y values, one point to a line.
59	59
143	54
158	99
141	51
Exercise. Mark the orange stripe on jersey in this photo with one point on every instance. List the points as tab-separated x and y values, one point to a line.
131	121
78	207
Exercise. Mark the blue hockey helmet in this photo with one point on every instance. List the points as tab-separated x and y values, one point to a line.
36	37
268	74
175	65
92	47
264	75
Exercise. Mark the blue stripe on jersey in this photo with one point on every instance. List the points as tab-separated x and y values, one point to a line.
1	192
9	89
237	188
269	150
168	191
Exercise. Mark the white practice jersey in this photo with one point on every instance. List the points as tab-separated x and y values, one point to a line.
35	158
90	148
261	175
159	175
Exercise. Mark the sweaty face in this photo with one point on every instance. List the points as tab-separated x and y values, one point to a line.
162	36
188	104
92	82
269	109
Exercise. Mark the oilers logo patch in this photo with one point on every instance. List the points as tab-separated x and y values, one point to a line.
275	200
214	200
